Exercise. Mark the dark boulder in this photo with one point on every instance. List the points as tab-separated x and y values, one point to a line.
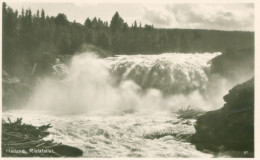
232	126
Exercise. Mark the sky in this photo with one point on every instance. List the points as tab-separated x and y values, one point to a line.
219	16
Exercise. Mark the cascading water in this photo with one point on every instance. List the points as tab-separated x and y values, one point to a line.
117	106
168	72
125	84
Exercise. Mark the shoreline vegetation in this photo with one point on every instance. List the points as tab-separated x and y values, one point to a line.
38	37
24	140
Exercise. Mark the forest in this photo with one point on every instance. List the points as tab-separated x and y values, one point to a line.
27	37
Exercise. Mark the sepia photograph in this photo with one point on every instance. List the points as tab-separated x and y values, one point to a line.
128	79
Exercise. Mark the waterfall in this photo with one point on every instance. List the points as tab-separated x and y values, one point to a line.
125	84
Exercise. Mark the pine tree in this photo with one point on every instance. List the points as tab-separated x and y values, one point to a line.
22	12
38	14
116	23
42	14
94	23
88	23
135	24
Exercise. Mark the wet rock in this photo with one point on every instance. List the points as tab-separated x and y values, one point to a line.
232	126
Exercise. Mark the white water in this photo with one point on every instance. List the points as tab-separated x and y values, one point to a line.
168	72
90	85
117	136
108	106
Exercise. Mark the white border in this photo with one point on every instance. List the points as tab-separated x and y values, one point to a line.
257	59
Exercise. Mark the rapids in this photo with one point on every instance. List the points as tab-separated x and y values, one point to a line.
122	106
117	136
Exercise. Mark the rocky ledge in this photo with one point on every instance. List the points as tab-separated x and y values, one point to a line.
232	126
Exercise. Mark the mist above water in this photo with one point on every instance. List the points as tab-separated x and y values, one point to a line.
128	84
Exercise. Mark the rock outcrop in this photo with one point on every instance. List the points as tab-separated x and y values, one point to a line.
232	126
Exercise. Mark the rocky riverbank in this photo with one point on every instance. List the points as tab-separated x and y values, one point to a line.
24	140
232	126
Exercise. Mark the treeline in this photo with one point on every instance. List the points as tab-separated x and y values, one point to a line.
27	36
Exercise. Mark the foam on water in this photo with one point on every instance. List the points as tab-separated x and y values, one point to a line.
168	72
122	106
90	86
117	136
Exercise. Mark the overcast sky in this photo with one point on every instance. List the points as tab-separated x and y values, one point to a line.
201	16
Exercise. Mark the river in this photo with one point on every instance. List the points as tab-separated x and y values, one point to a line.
124	106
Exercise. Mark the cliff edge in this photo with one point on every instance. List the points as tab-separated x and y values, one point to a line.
232	126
